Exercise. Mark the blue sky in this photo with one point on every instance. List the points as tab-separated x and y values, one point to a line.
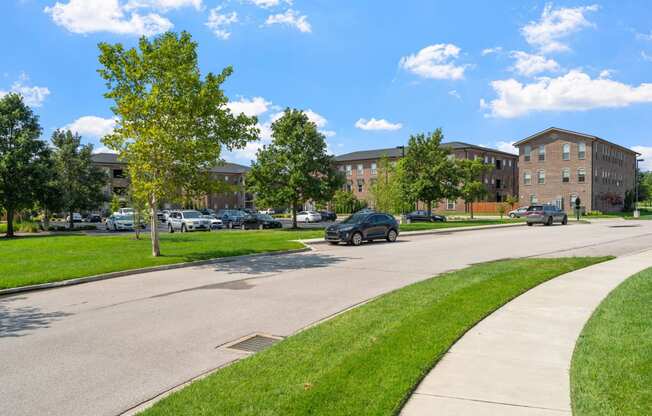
370	72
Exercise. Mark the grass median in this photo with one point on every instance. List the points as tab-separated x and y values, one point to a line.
41	259
611	372
420	226
367	360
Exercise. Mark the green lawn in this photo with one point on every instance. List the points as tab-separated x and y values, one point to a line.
646	214
366	361
40	259
611	372
418	226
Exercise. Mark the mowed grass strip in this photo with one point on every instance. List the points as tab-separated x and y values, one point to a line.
419	226
368	360
611	372
41	259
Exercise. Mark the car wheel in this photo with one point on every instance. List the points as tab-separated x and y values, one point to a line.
170	229
564	221
549	222
530	224
512	216
391	236
356	239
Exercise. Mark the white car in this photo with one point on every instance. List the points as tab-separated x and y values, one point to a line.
125	211
308	216
76	217
188	220
118	222
216	223
268	211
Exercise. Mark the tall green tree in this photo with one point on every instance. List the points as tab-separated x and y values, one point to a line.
429	173
171	123
78	180
386	190
295	167
23	157
471	187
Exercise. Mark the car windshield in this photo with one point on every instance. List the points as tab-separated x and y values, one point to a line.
191	214
355	219
265	217
535	208
124	218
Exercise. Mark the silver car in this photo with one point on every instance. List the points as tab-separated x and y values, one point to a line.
518	212
188	220
546	215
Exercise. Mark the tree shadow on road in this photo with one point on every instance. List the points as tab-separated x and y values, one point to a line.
277	264
21	320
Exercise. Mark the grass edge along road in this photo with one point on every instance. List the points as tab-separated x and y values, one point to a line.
52	258
611	371
367	360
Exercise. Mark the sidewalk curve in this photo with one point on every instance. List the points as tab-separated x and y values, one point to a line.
517	360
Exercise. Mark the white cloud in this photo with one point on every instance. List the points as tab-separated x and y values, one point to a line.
218	23
253	107
549	31
91	126
88	16
571	92
646	57
528	64
489	51
644	36
266	4
163	5
33	96
290	18
435	61
374	124
646	153
505	146
103	149
319	120
454	93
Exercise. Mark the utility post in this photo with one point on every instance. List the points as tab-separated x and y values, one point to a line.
637	213
402	157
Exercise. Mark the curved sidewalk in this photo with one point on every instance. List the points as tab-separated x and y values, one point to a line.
517	360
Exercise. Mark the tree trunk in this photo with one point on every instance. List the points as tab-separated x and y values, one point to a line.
471	210
429	207
46	219
156	250
10	222
294	215
71	222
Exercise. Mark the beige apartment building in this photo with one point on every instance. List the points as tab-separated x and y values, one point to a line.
361	169
557	166
230	173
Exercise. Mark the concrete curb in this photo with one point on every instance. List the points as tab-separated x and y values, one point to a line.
314	241
113	275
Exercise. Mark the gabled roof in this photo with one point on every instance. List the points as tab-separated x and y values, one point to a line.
395	152
224	167
588	136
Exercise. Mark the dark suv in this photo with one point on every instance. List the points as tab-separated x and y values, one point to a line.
365	226
545	214
423	216
231	218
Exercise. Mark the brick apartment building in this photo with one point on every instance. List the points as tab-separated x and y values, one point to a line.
557	166
230	173
360	169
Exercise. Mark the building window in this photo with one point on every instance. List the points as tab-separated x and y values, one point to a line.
360	169
450	205
542	152
581	175
528	152
566	151
509	163
118	174
533	199
499	164
565	175
374	168
349	186
542	177
527	178
348	170
581	151
360	185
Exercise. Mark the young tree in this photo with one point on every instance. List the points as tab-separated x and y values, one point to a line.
78	180
23	157
295	167
171	123
345	201
471	187
428	173
386	190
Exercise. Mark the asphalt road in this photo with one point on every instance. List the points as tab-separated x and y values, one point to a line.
102	348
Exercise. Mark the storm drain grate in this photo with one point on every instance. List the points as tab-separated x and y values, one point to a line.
254	343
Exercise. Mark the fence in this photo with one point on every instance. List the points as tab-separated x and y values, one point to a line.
489	207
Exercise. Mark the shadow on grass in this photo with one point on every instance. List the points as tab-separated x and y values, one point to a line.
20	321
